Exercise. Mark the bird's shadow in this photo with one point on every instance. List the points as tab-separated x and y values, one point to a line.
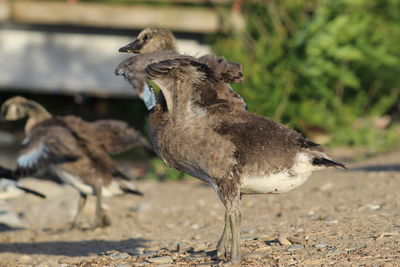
72	248
378	168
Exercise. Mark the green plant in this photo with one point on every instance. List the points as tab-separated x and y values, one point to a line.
319	63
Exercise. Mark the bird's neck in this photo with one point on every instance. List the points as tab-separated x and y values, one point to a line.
36	115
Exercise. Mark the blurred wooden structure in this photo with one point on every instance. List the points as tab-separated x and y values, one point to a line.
198	16
72	62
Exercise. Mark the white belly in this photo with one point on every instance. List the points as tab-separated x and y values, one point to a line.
277	183
280	182
75	181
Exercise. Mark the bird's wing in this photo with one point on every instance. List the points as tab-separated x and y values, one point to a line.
44	146
111	135
224	70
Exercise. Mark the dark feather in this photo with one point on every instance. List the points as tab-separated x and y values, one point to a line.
134	192
327	163
30	191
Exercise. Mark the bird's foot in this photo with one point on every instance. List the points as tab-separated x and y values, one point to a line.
102	221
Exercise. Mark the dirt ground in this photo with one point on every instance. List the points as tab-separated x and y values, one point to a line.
338	218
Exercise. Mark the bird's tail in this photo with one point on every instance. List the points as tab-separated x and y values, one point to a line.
7	173
129	187
30	191
327	163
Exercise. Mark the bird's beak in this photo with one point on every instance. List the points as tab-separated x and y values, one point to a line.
119	72
130	48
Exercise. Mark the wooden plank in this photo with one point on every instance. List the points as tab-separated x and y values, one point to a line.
199	2
4	10
185	19
68	63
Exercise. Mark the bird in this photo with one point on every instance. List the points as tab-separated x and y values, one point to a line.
235	151
76	151
153	39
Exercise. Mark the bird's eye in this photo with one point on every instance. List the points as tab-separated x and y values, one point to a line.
146	37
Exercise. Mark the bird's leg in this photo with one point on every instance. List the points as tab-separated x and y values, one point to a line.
229	192
235	221
102	219
81	205
222	246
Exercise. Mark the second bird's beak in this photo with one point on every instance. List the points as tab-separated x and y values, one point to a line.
130	48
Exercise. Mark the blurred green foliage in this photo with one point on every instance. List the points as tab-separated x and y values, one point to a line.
315	63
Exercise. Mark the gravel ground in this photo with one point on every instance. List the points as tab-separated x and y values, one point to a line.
338	218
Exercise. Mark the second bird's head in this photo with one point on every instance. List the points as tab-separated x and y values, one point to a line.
151	40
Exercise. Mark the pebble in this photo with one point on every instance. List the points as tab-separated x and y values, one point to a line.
136	251
295	240
331	221
295	247
161	260
334	252
321	245
195	226
121	255
374	207
249	231
262	249
282	239
25	259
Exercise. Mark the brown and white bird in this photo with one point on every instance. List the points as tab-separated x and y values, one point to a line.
75	150
153	39
235	151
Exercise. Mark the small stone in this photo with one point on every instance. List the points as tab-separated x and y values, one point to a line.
295	247
195	226
136	251
374	207
161	260
295	240
331	221
143	263
109	252
117	256
334	252
321	245
262	249
25	259
282	239
149	253
249	231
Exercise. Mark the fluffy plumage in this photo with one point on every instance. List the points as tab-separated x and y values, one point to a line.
76	150
237	152
160	39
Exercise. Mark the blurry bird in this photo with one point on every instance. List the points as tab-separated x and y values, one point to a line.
75	150
235	151
160	39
